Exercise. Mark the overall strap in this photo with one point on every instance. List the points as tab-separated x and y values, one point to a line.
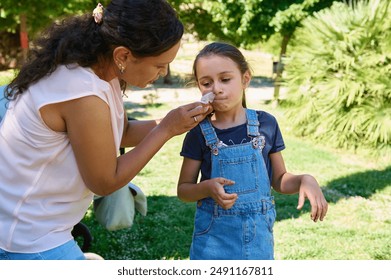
257	140
252	123
209	133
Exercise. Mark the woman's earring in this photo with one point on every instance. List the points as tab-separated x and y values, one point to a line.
121	68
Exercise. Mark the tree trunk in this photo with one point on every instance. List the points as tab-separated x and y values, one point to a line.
168	79
280	69
24	41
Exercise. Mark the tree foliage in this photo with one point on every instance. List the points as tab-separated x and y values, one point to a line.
245	22
36	15
338	75
241	22
39	13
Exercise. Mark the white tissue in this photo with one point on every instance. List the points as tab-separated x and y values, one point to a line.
208	98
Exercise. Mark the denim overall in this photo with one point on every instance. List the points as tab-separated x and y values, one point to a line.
245	231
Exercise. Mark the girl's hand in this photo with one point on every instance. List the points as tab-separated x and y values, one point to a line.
309	188
217	192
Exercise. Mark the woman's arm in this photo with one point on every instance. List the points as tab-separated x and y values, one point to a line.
88	125
136	130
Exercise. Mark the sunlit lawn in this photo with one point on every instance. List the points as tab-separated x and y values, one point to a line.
357	186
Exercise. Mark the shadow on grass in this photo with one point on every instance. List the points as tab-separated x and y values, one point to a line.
362	184
166	231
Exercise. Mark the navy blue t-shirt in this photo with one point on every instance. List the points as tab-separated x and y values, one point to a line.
194	146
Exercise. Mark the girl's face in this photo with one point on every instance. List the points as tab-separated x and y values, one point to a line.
143	71
222	76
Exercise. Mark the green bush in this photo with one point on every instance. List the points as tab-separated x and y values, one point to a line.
6	77
338	75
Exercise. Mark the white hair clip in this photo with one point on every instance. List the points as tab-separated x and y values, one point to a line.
97	13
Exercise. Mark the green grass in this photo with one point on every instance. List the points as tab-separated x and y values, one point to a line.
358	224
6	77
357	186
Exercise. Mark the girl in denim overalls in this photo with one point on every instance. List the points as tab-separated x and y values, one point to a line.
238	152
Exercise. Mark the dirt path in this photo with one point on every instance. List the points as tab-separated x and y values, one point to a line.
254	94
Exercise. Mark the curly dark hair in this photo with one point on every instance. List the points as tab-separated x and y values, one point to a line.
146	28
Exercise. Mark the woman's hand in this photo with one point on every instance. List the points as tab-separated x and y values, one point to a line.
184	118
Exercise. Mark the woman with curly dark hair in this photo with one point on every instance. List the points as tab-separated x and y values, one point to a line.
65	122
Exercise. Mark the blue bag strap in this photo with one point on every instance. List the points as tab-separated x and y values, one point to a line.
3	102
